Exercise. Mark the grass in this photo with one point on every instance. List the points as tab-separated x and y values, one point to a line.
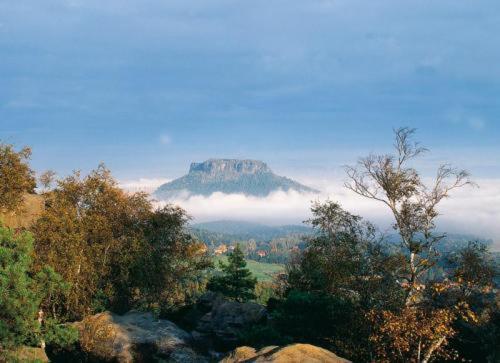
262	271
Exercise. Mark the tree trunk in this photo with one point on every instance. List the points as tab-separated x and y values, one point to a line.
432	349
413	277
40	322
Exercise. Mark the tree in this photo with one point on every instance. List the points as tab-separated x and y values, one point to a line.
47	179
412	334
474	269
16	177
236	281
342	274
420	330
390	180
167	272
473	273
23	294
112	247
346	258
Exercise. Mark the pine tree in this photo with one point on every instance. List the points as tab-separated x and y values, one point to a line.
236	281
22	294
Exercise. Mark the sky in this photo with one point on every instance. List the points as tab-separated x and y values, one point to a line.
150	86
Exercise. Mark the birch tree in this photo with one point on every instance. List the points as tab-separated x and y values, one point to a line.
393	181
420	330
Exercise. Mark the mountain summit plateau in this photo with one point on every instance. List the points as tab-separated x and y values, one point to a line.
229	176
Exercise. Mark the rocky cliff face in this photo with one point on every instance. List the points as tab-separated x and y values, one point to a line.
229	168
249	177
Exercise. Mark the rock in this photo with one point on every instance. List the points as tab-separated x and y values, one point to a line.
134	337
222	326
209	301
296	353
230	167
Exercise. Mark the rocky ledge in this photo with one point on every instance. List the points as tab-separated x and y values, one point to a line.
217	325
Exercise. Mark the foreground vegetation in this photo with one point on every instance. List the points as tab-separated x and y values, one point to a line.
94	247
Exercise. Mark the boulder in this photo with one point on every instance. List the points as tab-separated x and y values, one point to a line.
221	327
210	300
134	337
295	353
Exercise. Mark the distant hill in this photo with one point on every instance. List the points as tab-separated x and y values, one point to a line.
249	177
229	231
451	242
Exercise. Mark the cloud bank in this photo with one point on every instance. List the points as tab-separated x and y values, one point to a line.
146	185
473	211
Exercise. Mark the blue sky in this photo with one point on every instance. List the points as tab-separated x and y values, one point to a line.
149	86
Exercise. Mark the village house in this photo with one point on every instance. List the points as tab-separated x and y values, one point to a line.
220	250
261	253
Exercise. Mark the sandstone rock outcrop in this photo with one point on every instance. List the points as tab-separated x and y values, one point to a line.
296	353
222	325
135	337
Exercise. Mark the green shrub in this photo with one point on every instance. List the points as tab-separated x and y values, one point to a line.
23	293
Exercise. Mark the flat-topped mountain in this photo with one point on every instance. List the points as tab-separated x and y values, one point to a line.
230	176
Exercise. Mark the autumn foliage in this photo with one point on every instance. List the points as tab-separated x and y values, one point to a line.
16	177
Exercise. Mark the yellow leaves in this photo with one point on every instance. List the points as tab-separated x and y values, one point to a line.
440	287
466	313
403	332
197	249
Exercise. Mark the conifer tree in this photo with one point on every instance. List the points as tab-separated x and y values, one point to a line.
22	320
236	281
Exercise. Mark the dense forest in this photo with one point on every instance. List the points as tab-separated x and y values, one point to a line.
77	246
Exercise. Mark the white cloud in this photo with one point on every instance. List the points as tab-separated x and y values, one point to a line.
279	207
471	211
475	210
142	185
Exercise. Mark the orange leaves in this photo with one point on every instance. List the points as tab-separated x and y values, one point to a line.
411	333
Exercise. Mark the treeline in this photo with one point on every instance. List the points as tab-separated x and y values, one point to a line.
259	243
279	245
95	247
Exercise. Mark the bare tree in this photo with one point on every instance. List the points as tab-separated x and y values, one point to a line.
390	180
46	179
